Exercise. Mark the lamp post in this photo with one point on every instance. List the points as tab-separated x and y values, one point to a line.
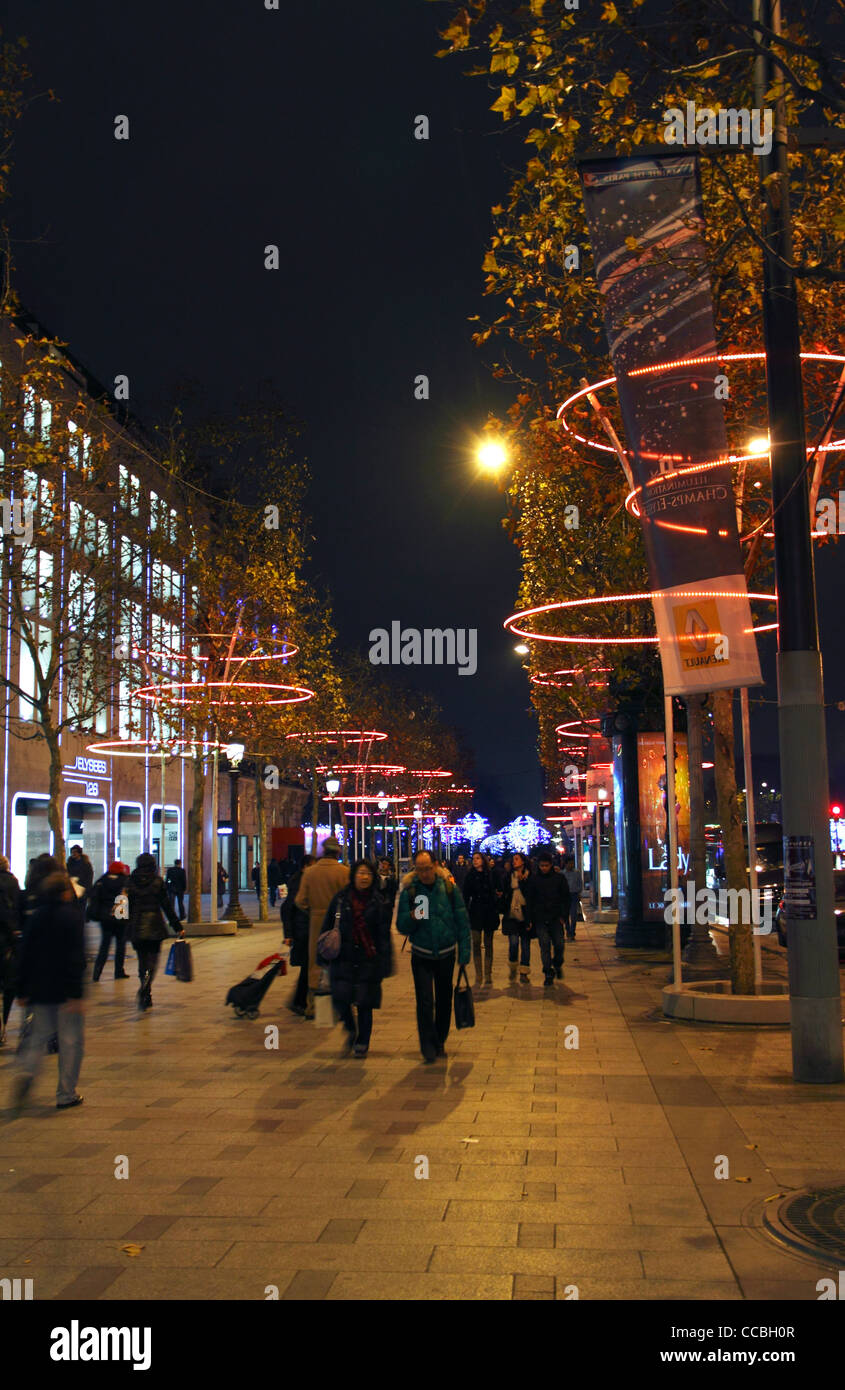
332	789
418	819
383	803
234	753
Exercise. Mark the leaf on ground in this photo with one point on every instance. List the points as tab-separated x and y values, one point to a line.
742	1179
751	1146
131	1249
773	1197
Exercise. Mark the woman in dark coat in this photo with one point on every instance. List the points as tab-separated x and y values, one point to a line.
363	915
515	923
149	905
482	904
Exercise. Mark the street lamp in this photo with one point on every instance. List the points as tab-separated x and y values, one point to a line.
234	754
418	819
491	455
332	787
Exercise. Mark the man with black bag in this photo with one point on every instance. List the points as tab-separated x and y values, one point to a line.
149	905
295	921
432	915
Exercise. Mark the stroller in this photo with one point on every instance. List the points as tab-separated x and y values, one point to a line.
246	996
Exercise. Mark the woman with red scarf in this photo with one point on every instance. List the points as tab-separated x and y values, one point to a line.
363	915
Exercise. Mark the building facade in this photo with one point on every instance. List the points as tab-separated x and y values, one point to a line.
95	607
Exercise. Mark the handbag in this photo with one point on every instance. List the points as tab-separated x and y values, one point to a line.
328	942
183	966
464	1006
170	967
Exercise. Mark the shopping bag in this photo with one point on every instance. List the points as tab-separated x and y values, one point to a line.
324	1016
170	968
464	1007
182	964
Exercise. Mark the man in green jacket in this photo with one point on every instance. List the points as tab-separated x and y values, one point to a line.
432	915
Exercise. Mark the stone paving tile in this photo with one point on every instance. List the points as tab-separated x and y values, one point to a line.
434	1287
565	1263
156	1253
383	1258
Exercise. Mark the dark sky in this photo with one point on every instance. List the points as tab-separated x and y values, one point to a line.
251	127
296	127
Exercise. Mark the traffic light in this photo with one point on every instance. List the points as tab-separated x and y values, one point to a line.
836	812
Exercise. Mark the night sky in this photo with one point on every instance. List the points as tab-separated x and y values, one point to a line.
250	127
296	127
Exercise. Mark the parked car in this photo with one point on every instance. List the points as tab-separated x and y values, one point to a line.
838	908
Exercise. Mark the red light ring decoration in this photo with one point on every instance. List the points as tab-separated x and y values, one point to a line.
360	800
510	623
542	677
387	769
290	649
562	730
353	735
300	693
439	773
149	747
710	358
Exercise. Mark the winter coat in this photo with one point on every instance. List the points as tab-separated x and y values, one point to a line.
274	874
512	926
548	898
356	977
459	873
51	960
176	880
11	910
444	926
102	901
295	922
387	888
575	882
320	883
149	905
82	870
482	905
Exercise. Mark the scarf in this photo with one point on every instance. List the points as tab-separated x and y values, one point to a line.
360	935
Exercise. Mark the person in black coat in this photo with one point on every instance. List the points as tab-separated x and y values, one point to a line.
176	882
516	922
480	894
386	881
363	916
11	917
274	878
50	969
547	895
295	922
109	905
81	870
149	907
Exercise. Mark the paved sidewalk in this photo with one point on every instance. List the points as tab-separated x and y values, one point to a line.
550	1167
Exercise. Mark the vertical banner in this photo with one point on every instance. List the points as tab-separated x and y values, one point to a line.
654	825
647	233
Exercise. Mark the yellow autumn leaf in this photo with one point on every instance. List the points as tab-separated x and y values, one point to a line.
505	101
132	1249
619	85
610	14
490	263
742	1179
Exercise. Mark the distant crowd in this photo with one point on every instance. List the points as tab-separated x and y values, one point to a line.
337	920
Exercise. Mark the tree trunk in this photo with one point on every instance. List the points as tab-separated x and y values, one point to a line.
315	807
261	814
54	819
740	933
697	857
195	833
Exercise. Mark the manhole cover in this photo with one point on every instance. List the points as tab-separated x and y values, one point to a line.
812	1221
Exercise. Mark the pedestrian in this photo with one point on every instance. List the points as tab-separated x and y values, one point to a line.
319	884
109	905
575	883
149	906
222	880
176	882
274	878
295	921
482	907
256	880
461	870
432	915
516	924
11	918
386	881
81	873
362	914
50	969
547	895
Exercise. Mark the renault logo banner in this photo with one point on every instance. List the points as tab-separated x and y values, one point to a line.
647	233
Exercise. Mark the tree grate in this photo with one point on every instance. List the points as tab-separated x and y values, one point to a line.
812	1221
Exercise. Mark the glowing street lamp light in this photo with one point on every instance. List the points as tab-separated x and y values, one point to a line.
491	455
522	649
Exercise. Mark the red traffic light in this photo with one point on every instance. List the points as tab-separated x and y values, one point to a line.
836	812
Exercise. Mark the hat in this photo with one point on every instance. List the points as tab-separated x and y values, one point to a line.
331	845
116	867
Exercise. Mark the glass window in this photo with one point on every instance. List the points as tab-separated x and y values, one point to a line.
46	421
138	566
27	677
174	526
153	510
29	409
125	494
85	825
31	834
129	833
134	493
